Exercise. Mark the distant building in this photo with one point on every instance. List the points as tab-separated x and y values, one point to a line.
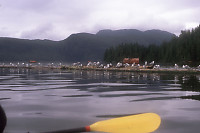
32	61
131	60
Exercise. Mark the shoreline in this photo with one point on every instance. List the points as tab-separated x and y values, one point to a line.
129	69
125	69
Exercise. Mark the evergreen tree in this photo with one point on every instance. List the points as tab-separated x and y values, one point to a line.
182	49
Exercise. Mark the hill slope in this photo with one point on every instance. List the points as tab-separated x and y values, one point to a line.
12	49
77	47
85	46
181	50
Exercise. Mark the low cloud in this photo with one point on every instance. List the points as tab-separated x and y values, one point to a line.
45	31
56	20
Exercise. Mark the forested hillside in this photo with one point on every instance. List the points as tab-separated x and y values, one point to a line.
77	47
182	49
12	49
91	47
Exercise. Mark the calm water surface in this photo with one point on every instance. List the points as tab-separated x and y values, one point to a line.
45	100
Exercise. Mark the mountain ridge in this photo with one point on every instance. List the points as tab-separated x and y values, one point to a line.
77	47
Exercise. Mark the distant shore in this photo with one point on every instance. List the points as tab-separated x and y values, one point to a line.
129	69
124	69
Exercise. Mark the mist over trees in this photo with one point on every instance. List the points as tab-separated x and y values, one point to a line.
183	49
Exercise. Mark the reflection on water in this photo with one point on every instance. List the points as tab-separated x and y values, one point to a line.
190	83
194	97
45	100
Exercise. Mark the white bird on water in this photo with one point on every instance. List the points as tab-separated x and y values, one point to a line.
186	67
152	63
176	66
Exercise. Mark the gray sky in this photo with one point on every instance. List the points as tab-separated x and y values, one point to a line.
57	19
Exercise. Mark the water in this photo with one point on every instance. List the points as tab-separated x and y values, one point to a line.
45	100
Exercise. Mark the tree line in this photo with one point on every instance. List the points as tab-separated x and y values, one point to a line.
183	49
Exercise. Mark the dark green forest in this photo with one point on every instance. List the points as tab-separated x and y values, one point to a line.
183	49
80	47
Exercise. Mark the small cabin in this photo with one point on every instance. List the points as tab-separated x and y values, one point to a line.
131	60
32	61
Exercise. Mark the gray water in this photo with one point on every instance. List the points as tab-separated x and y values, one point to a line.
46	100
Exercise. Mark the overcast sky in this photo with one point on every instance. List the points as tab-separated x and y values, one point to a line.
57	19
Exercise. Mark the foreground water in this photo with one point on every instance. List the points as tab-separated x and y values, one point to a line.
45	100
